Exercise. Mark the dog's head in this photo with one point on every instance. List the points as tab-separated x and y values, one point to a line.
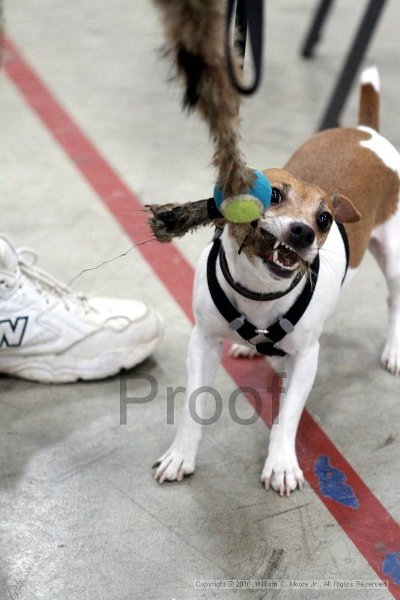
292	231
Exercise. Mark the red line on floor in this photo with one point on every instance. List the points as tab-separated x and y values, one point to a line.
371	528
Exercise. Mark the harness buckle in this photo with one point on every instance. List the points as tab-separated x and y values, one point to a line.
286	325
261	337
237	323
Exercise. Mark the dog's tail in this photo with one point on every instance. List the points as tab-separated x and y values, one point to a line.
368	114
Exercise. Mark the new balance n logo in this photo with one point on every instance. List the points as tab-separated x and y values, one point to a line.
12	331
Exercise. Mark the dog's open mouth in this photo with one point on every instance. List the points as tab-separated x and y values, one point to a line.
279	258
282	260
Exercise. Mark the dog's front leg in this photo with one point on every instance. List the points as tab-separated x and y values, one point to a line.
281	469
204	355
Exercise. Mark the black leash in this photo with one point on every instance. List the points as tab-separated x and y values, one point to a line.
249	17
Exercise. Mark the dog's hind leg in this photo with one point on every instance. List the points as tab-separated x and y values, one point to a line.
204	355
385	246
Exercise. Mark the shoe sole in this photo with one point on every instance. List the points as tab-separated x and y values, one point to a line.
55	368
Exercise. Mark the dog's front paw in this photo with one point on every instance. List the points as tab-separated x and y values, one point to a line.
174	465
282	472
390	359
242	351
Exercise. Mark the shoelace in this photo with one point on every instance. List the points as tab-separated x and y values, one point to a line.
46	283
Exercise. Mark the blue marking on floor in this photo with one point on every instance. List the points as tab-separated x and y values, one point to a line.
391	566
332	483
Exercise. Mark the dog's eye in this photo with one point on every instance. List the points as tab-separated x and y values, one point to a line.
324	221
276	196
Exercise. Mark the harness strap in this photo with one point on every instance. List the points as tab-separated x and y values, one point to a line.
238	322
343	233
243	291
286	323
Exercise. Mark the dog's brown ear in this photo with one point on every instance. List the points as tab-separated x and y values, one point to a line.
344	210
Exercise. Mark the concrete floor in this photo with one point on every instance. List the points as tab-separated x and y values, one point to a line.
81	517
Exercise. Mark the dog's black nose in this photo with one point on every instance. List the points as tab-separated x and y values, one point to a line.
301	235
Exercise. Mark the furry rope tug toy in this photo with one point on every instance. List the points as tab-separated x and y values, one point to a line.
198	33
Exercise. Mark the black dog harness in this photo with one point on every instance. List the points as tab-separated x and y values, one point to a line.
264	340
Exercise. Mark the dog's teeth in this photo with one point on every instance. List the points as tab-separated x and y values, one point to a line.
277	244
275	257
286	267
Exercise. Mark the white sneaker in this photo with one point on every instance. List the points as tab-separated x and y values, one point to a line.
51	335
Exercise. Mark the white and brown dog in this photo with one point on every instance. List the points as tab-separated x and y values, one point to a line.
271	286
